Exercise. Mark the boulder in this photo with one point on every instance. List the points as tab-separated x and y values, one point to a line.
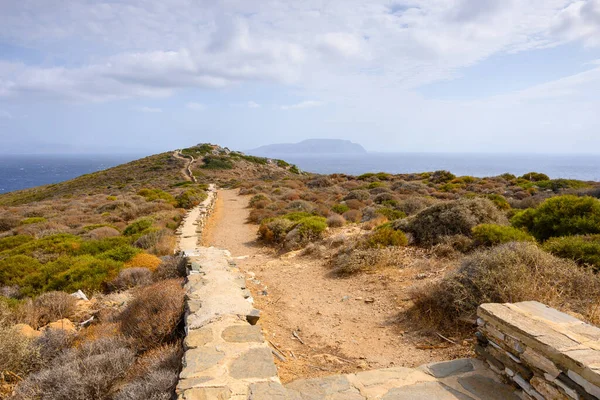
26	331
64	324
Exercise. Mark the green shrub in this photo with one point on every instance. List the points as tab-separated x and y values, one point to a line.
10	242
534	177
33	220
582	249
216	162
556	185
499	200
491	235
61	243
450	218
121	253
339	208
441	177
507	273
561	216
390	213
294	170
311	228
385	236
274	231
190	198
282	164
156	194
137	226
374	185
15	268
297	216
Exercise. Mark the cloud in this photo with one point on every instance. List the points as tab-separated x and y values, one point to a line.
252	104
303	104
195	106
148	48
5	115
148	109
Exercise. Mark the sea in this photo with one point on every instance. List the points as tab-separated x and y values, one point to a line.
24	171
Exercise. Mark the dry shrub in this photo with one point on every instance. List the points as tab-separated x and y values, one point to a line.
17	353
360	195
144	260
103	233
170	267
150	239
86	372
510	272
52	343
450	218
48	307
350	261
131	277
373	223
413	205
154	376
151	318
256	216
275	231
353	216
354	204
335	221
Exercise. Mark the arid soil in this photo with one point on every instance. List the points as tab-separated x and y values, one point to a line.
320	323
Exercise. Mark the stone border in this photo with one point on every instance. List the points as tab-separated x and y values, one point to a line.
544	352
225	353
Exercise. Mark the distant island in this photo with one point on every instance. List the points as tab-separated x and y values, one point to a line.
310	146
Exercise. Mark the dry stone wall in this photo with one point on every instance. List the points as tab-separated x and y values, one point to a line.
545	353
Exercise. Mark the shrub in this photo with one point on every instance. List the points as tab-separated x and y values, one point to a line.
190	198
33	220
14	269
390	213
491	235
561	216
8	222
499	200
535	177
296	216
216	162
154	376
301	205
103	233
351	261
509	272
121	253
171	267
360	195
441	177
86	372
353	216
311	228
137	226
10	242
274	231
335	221
386	236
320	182
17	353
131	277
383	197
143	260
53	306
582	249
340	208
354	204
414	204
156	194
258	198
450	218
151	318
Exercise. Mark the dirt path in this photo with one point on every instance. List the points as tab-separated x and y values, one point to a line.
187	170
346	324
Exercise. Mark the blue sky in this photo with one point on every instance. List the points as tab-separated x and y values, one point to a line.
420	75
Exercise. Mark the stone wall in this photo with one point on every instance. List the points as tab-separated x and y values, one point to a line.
226	356
544	352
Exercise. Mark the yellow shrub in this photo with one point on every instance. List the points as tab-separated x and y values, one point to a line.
144	260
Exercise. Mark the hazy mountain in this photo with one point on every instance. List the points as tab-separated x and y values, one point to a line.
310	146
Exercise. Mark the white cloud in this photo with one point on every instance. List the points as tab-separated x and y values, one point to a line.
195	106
152	48
252	104
151	110
302	104
5	115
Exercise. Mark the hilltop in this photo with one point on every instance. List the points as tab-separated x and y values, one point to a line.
310	146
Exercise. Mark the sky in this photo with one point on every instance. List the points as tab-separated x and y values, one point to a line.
143	76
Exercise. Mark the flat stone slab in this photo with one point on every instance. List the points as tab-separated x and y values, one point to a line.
198	337
448	368
425	391
255	363
242	334
486	388
197	360
223	393
271	391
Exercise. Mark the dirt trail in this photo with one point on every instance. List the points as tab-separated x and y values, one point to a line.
346	324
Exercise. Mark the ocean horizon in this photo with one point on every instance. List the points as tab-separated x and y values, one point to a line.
25	171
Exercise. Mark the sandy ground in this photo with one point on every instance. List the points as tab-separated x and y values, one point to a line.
340	325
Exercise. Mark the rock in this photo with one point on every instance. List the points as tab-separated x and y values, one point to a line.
213	393
80	295
255	363
64	324
369	300
242	334
486	388
425	391
197	360
253	316
448	368
26	331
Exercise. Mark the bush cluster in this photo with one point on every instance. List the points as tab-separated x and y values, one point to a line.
584	250
491	235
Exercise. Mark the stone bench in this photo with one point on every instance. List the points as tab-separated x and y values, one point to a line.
546	353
